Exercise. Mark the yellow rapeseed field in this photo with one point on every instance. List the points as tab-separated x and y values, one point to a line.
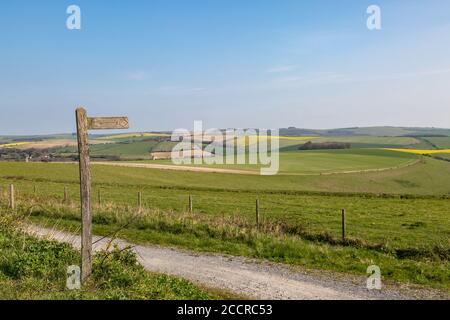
13	145
417	151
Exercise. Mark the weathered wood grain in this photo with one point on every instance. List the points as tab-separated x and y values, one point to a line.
85	194
108	123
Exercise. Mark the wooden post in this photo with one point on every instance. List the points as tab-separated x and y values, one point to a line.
343	226
257	213
83	125
191	207
140	201
12	202
66	195
85	194
99	197
34	189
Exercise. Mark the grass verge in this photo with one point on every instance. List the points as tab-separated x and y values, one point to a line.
35	269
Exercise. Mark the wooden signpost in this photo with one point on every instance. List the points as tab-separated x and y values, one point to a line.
83	125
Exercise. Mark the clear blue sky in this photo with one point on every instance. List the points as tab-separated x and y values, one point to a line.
230	63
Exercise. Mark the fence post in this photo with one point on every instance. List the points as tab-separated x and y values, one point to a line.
34	189
12	203
99	197
257	213
140	200
190	204
344	227
66	195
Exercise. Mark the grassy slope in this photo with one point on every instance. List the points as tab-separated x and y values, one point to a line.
440	142
129	148
329	161
324	161
445	156
134	149
429	178
402	221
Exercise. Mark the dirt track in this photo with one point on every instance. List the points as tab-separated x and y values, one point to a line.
249	172
177	168
243	276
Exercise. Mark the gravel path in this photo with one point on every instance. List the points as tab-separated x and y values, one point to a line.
243	276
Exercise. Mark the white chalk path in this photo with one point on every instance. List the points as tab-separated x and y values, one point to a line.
246	277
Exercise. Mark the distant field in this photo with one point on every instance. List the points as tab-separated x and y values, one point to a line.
14	144
428	178
47	144
335	161
125	150
133	135
441	156
326	161
134	149
375	140
139	146
418	151
440	142
357	142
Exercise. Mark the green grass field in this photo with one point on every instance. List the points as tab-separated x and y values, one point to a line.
326	161
428	177
439	142
444	156
135	148
397	218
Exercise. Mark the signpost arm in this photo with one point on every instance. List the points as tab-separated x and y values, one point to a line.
85	194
